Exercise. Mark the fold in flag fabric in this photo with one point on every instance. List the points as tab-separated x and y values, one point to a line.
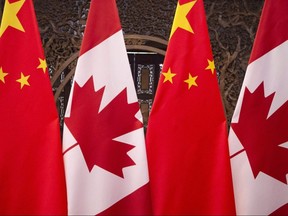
258	138
104	147
187	141
32	177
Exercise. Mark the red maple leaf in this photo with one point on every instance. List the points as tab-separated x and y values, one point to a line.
95	131
261	135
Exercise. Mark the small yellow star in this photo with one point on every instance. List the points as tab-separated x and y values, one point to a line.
9	17
42	65
23	80
191	81
168	76
180	19
2	75
211	66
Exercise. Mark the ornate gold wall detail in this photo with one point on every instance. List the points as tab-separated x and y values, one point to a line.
232	27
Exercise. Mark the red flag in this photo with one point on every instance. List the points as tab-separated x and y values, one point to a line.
187	143
104	148
258	138
32	177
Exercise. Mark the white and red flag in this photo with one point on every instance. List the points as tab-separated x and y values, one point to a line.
104	146
259	130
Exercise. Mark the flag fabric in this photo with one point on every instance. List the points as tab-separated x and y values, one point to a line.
32	177
187	141
104	147
258	138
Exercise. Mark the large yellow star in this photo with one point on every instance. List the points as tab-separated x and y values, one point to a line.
211	66
180	19
2	75
23	80
168	76
9	17
42	65
191	81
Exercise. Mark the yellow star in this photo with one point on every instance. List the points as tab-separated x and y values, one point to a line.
168	76
2	75
23	80
9	17
42	65
211	66
180	20
191	81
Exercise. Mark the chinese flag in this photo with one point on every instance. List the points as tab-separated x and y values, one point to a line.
258	138
104	149
187	143
32	177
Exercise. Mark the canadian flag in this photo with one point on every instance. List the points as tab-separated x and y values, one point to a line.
104	148
259	130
